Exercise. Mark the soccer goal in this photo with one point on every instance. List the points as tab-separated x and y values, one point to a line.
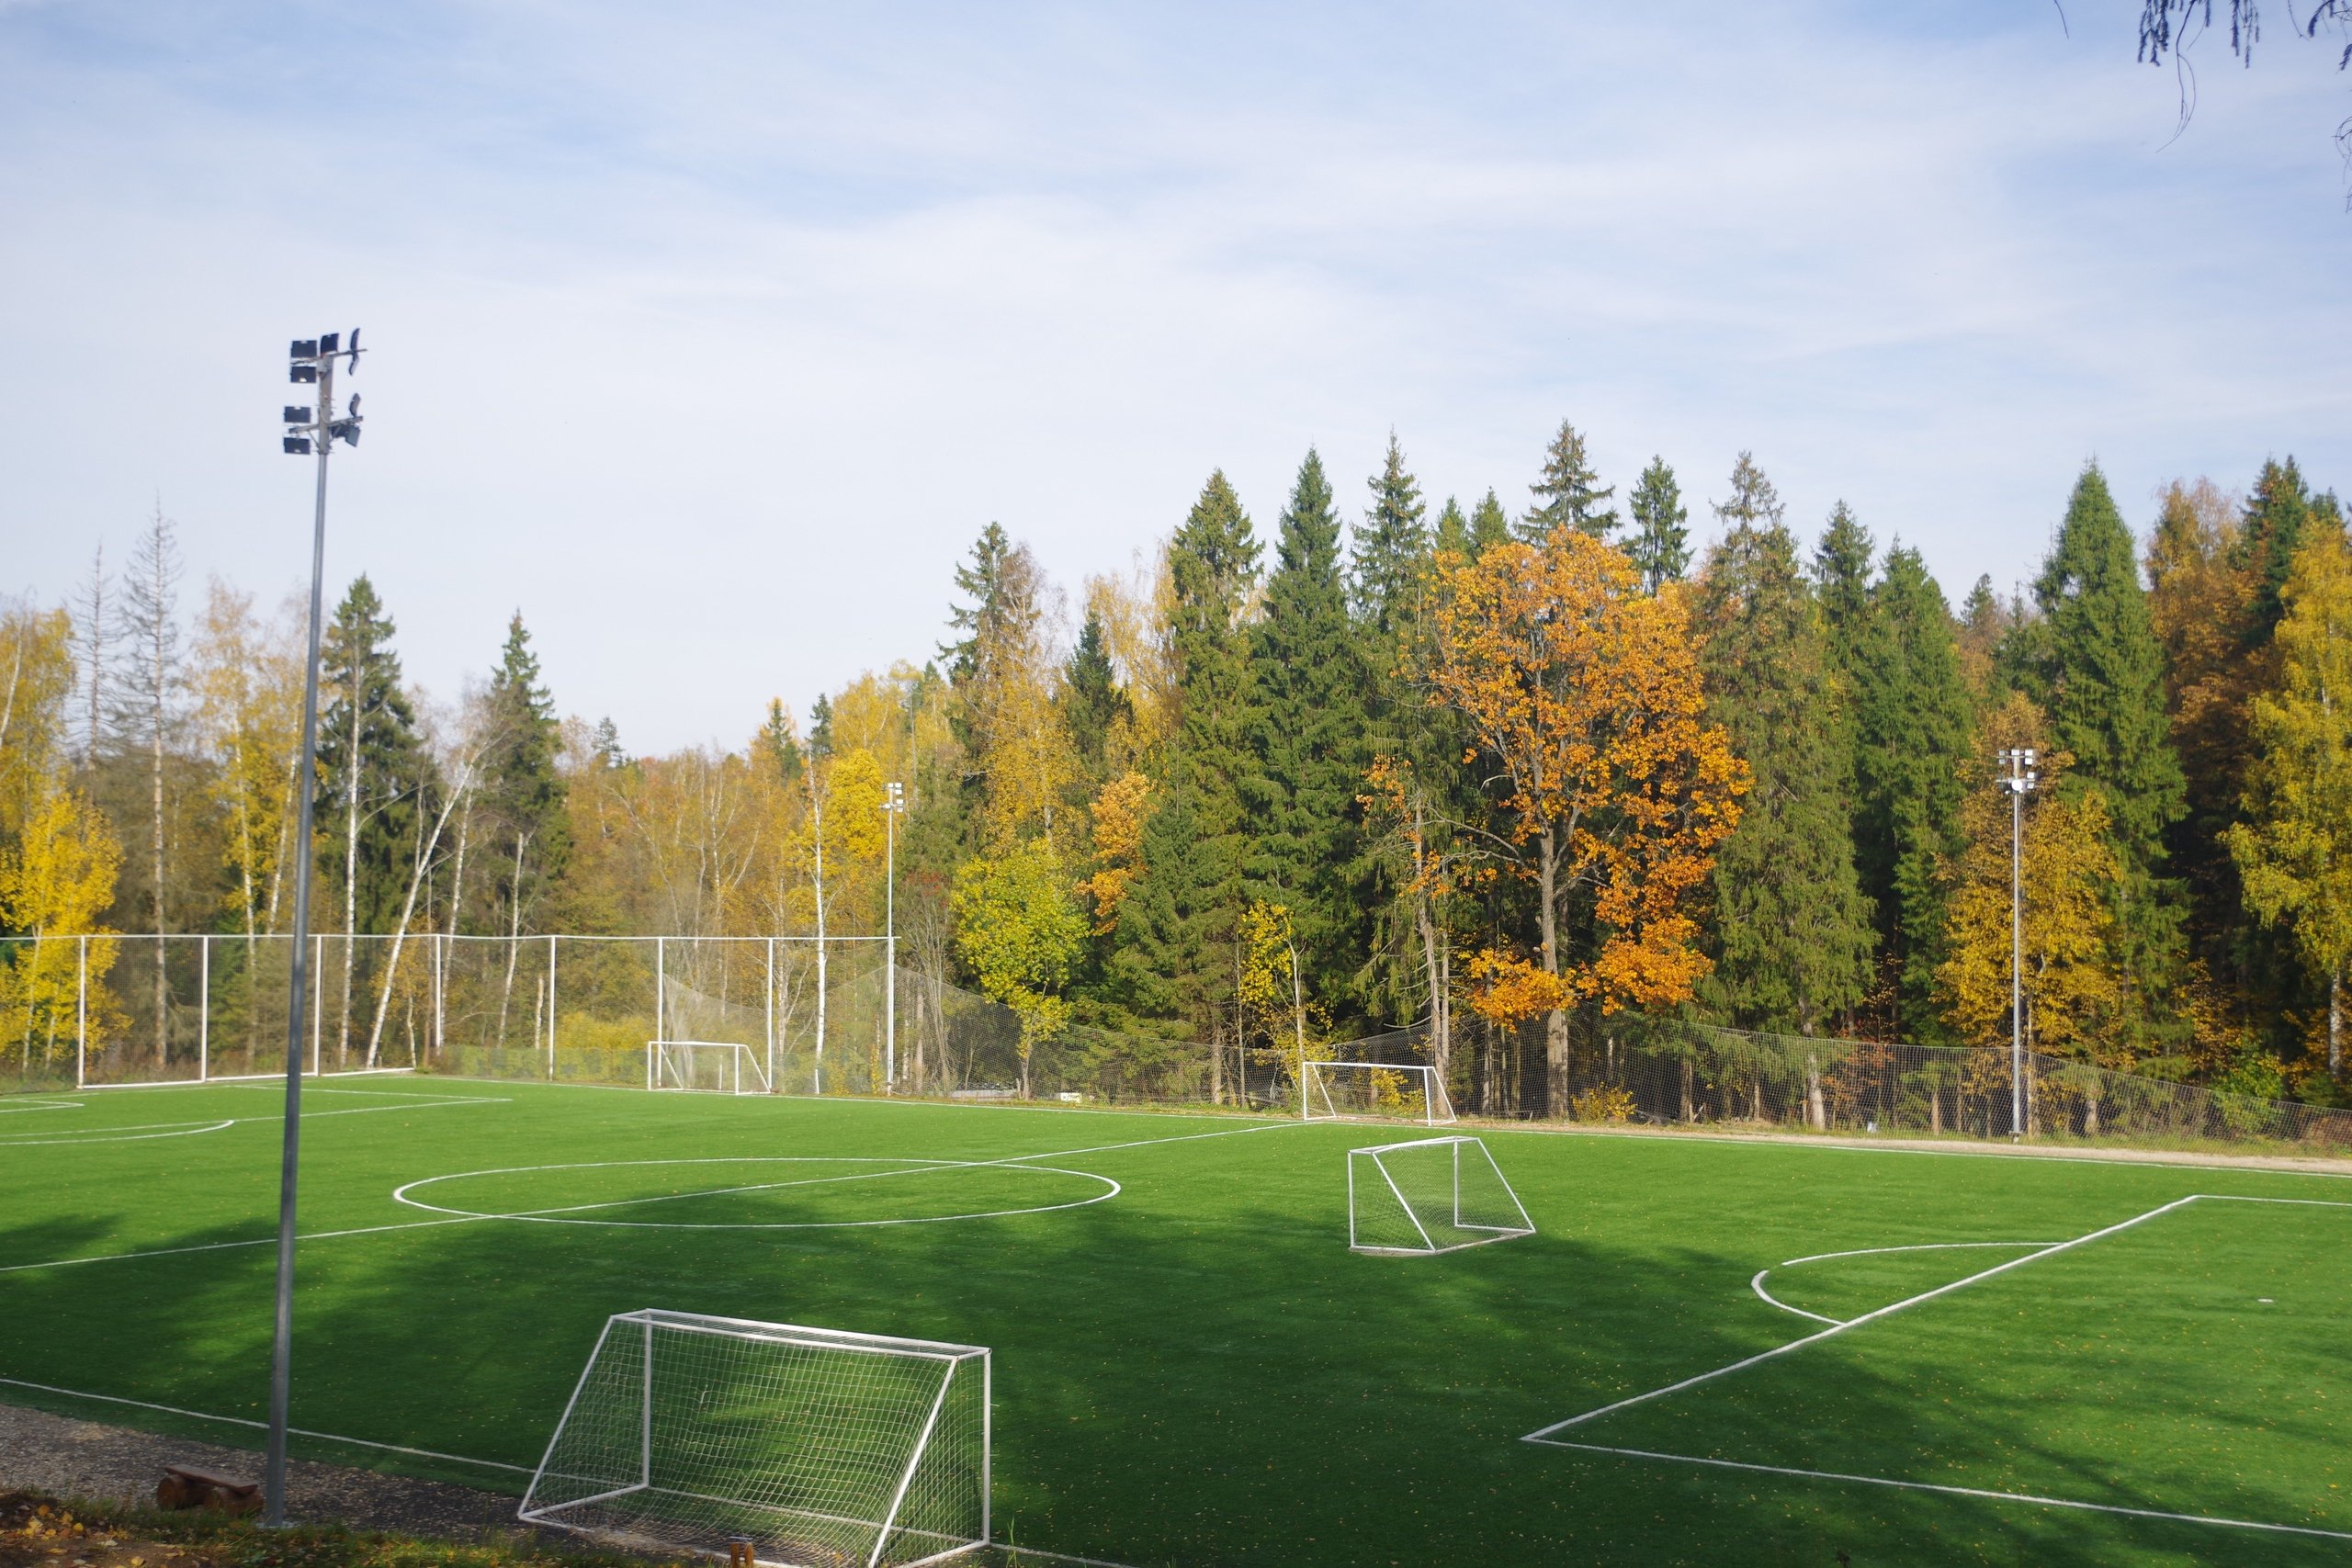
1393	1091
711	1066
1431	1195
820	1446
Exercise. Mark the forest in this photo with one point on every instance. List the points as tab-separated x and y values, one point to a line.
1496	776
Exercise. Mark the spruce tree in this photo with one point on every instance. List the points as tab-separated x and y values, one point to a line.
2096	662
1489	526
1391	548
1307	719
1660	548
2278	515
1793	938
521	794
1841	572
1915	722
371	762
1192	895
1093	703
1570	495
1453	531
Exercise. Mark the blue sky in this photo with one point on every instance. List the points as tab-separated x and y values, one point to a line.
709	335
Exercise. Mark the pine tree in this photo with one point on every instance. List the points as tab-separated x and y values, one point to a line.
1753	501
522	798
1307	721
2097	668
148	715
1392	549
1568	495
1452	529
1914	715
1660	548
1792	939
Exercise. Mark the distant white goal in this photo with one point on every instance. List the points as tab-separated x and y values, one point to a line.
711	1066
1394	1091
1431	1195
823	1449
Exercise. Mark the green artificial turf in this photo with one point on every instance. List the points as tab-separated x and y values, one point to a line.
1195	1370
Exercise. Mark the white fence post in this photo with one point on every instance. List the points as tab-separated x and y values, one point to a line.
660	988
203	1008
82	1016
550	1010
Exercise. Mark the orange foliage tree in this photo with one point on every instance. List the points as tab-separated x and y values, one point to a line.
1584	694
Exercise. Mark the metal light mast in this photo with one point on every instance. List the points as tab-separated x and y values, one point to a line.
893	803
308	431
2018	781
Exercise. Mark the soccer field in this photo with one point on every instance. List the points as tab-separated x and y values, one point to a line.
1192	1367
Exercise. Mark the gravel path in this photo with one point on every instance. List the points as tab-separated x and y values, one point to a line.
66	1458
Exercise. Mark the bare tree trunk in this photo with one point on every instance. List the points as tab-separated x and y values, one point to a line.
514	934
408	912
2336	1022
1556	1023
458	875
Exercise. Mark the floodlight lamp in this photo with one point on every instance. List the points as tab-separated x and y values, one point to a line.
330	343
303	349
344	430
296	414
298	446
303	375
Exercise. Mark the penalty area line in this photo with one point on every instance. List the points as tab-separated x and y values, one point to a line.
264	1426
2034	1499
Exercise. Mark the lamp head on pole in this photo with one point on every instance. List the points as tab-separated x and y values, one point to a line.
894	797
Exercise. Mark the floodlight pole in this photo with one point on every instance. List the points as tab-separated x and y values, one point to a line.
894	801
322	429
2016	782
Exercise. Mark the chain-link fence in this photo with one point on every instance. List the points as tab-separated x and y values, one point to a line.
116	1010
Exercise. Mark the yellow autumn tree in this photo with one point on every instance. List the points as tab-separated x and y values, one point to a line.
36	682
248	679
57	879
1019	931
1583	695
2074	983
2294	851
1119	814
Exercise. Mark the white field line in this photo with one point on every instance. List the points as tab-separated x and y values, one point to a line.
7	1109
1021	1551
1757	1284
263	1427
1887	1311
138	1133
1952	1491
477	1219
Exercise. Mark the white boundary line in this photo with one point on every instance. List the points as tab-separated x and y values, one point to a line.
1952	1491
8	1107
263	1427
141	1132
138	1134
1543	1435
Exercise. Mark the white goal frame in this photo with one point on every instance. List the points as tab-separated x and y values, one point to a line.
744	1072
606	1482
1370	1178
1316	1103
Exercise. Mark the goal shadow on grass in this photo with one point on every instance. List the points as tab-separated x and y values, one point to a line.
1199	1373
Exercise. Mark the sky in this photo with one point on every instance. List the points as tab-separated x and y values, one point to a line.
708	337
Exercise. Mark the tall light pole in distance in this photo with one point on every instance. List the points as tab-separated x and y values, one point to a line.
2018	781
307	431
893	803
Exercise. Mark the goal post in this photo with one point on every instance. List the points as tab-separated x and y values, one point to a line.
708	1066
689	1432
1429	1196
1385	1091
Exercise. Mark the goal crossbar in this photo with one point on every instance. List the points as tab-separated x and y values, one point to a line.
706	1067
1430	1195
691	1431
1393	1091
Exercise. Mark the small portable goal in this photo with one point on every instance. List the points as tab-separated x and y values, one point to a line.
1429	1196
708	1066
1373	1092
822	1449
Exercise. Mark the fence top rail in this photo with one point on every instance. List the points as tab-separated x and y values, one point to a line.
829	940
797	1334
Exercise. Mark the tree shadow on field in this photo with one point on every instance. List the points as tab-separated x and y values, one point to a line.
1197	1372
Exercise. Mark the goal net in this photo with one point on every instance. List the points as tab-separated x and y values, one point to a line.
824	1448
1384	1090
1431	1195
712	1067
